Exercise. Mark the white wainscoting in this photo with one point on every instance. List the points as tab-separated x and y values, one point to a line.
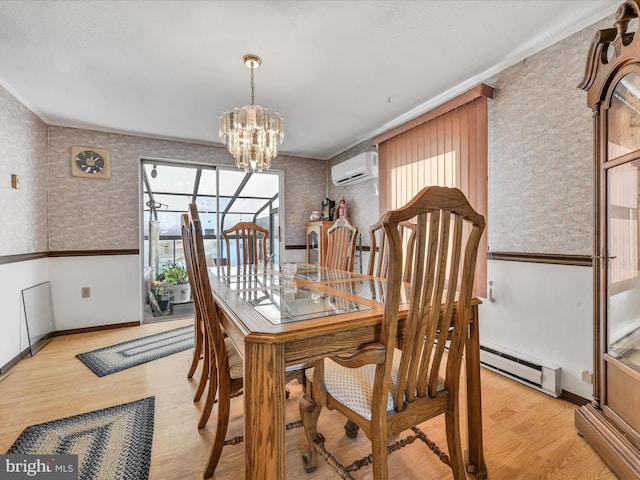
543	311
540	310
115	286
295	255
14	277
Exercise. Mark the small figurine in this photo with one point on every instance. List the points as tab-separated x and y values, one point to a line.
341	210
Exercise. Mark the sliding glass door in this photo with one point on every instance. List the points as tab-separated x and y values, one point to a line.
224	197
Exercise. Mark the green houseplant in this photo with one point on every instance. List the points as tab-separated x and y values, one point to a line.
176	281
174	272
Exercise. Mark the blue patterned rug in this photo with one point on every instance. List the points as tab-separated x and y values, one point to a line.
104	361
112	444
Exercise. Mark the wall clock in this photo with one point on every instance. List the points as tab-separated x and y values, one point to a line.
90	162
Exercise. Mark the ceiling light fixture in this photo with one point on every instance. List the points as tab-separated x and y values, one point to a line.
251	133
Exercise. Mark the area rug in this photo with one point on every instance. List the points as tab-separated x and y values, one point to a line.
104	361
112	444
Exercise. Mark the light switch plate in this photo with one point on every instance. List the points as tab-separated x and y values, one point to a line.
15	181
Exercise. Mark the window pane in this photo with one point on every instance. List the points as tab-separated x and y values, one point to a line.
230	181
179	203
261	185
170	224
248	205
623	264
623	117
207	182
172	189
206	204
171	179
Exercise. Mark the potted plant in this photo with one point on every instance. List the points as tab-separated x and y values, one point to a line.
175	279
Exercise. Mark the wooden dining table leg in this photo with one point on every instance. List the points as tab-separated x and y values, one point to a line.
475	460
264	410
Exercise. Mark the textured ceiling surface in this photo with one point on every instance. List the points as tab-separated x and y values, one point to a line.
338	71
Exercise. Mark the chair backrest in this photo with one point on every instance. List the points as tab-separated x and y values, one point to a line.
189	260
251	243
208	306
341	246
448	232
379	253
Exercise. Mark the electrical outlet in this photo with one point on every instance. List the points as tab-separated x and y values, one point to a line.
587	376
295	219
86	292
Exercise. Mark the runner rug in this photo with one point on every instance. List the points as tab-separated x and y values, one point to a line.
112	444
104	361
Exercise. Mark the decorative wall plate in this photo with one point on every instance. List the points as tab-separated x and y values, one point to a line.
90	162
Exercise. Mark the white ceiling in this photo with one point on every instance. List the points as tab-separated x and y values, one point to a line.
338	71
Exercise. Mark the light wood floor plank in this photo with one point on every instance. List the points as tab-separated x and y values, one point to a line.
528	435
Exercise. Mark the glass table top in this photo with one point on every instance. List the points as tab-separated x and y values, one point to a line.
247	282
236	270
288	303
325	275
371	289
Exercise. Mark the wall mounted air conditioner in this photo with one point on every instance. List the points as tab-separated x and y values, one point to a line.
360	168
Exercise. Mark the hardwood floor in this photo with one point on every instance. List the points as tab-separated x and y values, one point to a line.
528	435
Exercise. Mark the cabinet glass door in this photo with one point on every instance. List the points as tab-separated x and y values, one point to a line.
314	247
623	274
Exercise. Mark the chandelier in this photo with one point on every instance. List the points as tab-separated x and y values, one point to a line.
251	133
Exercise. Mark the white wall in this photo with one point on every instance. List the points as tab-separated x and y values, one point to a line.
545	312
14	277
541	201
115	295
115	290
295	255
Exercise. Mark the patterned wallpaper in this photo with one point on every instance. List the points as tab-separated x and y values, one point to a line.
23	151
97	214
305	187
540	170
540	152
540	156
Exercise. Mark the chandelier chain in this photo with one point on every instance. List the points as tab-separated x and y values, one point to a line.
252	94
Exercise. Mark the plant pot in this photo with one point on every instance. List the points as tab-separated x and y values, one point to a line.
179	292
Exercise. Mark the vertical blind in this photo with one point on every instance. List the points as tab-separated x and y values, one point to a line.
446	147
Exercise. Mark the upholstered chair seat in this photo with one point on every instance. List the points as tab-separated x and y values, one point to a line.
353	387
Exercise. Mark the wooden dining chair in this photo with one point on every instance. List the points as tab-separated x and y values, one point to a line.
224	362
379	253
225	367
197	318
208	376
250	242
341	246
384	390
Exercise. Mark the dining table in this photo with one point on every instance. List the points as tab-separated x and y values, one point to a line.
277	321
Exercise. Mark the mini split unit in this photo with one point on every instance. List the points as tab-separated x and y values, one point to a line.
358	169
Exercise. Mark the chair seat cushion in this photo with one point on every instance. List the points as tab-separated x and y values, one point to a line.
236	368
353	387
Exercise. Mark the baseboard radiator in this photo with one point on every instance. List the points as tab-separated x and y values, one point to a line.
533	373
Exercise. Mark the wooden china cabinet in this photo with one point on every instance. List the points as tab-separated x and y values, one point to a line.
317	242
611	422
